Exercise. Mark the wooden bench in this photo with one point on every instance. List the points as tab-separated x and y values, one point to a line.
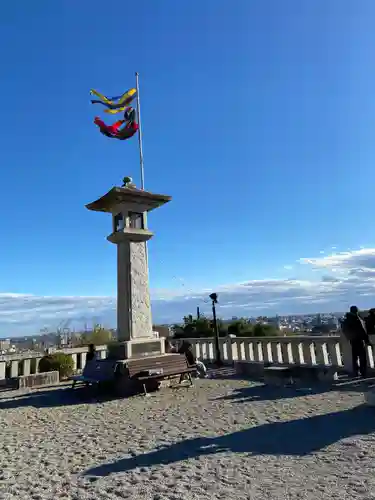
160	368
96	372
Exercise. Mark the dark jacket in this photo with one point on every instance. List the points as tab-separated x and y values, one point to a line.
91	355
354	328
370	324
187	349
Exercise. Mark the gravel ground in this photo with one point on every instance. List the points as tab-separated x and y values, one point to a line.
221	439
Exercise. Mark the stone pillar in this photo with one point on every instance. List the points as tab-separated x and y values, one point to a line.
37	361
229	350
2	371
128	207
295	347
346	354
285	353
26	367
306	351
74	359
140	293
275	352
14	369
102	354
134	321
123	292
133	296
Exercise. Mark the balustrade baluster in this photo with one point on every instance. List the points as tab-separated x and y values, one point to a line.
26	367
257	351
320	353
74	357
275	352
229	353
285	357
14	369
248	354
2	371
334	353
296	353
266	350
306	352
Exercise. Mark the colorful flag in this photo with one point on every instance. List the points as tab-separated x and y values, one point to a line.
114	104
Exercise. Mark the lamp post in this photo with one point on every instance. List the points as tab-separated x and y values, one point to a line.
213	298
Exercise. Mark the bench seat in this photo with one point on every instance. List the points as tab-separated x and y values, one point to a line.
96	372
160	368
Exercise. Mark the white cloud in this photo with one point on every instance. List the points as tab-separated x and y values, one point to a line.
342	279
352	261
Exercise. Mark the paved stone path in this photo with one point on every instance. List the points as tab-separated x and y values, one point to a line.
223	439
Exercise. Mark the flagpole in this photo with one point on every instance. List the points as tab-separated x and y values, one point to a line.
141	164
140	133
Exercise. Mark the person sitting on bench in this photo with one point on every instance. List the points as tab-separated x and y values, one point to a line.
91	355
187	349
169	348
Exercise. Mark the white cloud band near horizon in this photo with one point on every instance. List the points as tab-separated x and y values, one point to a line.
345	278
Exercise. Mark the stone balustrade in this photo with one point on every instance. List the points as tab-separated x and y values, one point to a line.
297	350
13	365
333	350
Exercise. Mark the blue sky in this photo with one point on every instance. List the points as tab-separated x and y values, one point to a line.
258	119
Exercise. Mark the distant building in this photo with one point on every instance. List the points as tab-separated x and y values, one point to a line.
333	323
275	322
64	340
317	321
5	344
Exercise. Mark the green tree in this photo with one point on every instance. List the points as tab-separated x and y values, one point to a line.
222	327
265	330
193	328
240	327
203	327
98	336
63	363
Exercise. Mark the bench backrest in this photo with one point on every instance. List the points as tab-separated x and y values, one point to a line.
99	369
167	364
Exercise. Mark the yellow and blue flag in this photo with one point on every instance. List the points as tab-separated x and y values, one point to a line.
114	104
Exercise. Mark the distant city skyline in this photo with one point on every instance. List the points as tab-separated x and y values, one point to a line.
336	281
257	119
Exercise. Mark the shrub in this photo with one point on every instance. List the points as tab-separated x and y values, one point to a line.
63	363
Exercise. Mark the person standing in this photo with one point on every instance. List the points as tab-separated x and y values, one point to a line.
354	328
91	355
370	322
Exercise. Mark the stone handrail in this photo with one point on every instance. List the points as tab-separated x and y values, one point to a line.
294	350
330	350
15	365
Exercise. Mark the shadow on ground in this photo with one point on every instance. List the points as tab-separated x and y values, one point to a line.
64	396
296	437
261	392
